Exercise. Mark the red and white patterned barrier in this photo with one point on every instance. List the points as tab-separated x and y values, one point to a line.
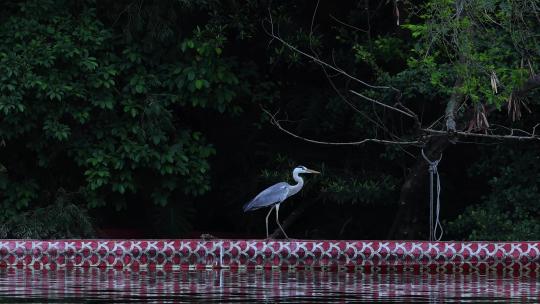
365	256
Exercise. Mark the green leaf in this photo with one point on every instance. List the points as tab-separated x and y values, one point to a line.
199	84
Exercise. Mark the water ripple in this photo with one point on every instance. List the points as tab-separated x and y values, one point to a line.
114	286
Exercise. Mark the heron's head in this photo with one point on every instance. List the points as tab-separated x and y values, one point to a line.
302	169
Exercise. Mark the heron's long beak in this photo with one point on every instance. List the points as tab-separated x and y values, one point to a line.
313	171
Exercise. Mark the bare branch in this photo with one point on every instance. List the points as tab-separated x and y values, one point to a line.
313	21
514	130
348	25
534	129
379	124
350	143
314	56
342	72
385	105
482	135
455	102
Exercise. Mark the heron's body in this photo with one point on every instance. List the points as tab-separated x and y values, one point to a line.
274	195
270	196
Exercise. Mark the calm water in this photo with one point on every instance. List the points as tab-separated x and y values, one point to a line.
106	286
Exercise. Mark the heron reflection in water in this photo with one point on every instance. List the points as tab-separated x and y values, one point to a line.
275	195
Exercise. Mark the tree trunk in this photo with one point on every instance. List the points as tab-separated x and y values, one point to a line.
413	205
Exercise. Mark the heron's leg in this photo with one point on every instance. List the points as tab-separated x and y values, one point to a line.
267	216
277	221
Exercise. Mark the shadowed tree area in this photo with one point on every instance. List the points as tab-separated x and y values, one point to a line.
162	118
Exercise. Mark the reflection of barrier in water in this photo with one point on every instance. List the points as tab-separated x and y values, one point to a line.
113	284
363	256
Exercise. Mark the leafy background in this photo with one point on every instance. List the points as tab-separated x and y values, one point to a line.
146	116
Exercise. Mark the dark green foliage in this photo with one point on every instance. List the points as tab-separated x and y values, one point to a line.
366	188
511	210
492	45
87	111
62	219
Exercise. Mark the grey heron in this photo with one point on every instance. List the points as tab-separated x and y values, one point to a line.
276	194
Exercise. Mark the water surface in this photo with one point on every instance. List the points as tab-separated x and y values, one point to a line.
116	286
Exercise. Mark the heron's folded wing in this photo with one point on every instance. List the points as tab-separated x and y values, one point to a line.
268	197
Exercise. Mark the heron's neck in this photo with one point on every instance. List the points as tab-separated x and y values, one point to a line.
300	183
